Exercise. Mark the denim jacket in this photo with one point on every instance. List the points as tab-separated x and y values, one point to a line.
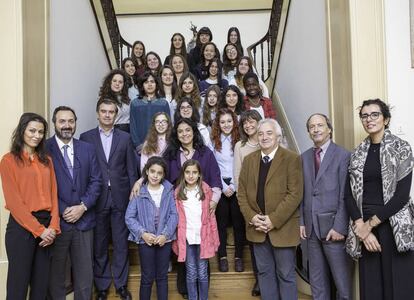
140	215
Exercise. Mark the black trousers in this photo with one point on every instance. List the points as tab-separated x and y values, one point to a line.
228	212
28	264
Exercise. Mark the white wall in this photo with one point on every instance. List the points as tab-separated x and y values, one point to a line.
77	60
156	30
399	72
302	81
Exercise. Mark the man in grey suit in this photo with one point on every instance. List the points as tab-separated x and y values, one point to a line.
324	220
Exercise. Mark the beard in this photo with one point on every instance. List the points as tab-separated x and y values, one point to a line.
65	133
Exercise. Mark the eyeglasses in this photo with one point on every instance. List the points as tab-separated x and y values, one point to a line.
185	107
161	122
373	116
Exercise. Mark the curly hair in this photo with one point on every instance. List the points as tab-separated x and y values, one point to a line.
107	92
138	61
175	144
183	50
207	109
227	64
195	93
216	131
17	142
151	141
240	103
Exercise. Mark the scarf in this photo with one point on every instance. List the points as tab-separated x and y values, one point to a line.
396	161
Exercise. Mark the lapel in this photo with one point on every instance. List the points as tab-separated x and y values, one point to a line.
328	157
76	160
256	168
114	144
58	155
99	146
310	164
276	162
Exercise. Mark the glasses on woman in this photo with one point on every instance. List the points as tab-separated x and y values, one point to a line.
373	116
161	122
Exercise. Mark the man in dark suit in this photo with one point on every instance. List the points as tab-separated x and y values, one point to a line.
324	220
118	165
269	193
79	184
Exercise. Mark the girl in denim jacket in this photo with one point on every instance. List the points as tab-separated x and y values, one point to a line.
152	220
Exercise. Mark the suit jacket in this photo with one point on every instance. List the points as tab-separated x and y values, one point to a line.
120	170
283	193
325	193
85	186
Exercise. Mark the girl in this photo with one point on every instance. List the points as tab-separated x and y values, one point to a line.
177	47
157	138
168	88
209	51
188	88
233	100
244	65
153	63
30	194
231	56
214	77
233	36
187	109
114	87
254	98
151	218
197	237
132	79
204	36
210	106
138	57
144	107
179	65
225	135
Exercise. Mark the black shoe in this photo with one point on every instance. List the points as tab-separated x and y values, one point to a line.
102	295
223	265
256	289
124	293
238	265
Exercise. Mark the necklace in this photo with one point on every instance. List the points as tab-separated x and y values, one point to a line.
251	144
254	104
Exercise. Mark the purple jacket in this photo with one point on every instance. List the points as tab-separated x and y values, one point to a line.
208	163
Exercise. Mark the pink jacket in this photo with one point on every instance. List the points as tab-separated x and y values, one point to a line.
209	234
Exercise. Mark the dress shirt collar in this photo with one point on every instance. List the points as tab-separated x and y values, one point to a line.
61	144
271	155
106	133
324	147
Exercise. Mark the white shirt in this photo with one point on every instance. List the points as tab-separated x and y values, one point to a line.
271	155
259	109
156	195
192	209
70	148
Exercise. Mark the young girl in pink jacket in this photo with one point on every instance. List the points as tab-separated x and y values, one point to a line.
197	236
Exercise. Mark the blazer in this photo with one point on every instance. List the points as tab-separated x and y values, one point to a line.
283	193
209	232
325	193
120	169
85	186
140	215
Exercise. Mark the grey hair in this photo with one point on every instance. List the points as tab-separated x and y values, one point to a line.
274	123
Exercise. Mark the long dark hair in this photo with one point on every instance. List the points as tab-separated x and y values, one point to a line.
183	50
238	43
175	144
106	91
157	71
182	185
174	86
240	103
207	109
17	142
195	93
202	59
131	80
155	160
219	70
143	79
138	61
227	64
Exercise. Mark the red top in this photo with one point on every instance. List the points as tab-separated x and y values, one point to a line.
29	186
266	104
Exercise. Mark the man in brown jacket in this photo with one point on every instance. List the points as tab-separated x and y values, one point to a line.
270	191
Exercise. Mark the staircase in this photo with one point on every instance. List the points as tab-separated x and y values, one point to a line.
223	285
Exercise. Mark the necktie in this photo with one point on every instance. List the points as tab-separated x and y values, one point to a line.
317	158
266	159
67	160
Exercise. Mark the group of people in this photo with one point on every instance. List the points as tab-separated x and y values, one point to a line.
179	156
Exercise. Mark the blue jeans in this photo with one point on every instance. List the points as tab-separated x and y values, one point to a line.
196	269
154	266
